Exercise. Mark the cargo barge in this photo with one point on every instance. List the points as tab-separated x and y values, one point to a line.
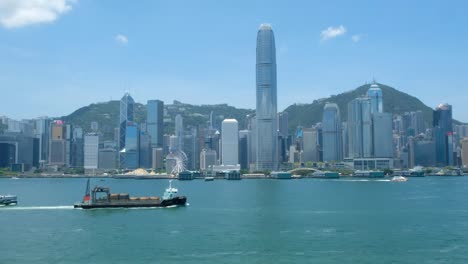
101	197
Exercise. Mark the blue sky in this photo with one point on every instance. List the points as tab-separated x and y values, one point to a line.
59	55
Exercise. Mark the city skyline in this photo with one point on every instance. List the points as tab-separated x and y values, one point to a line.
124	57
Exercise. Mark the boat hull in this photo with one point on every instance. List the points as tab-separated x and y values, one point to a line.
176	201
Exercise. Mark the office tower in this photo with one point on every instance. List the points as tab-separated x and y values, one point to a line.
145	150
107	158
244	149
344	139
252	127
443	130
283	136
359	128
375	95
331	129
77	148
190	148
57	151
179	132
382	135
207	159
229	142
126	117
91	152
309	145
267	150
129	156
417	122
155	122
158	159
42	132
464	153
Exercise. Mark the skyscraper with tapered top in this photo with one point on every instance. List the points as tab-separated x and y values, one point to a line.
266	109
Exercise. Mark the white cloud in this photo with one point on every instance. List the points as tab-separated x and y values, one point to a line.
356	38
332	32
122	39
19	13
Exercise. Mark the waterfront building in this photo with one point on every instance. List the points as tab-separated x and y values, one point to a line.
158	159
145	150
309	150
126	117
107	159
376	100
190	148
331	133
424	152
207	159
77	148
442	123
57	148
244	149
382	135
359	128
229	142
266	101
91	152
17	148
129	156
155	122
42	132
464	152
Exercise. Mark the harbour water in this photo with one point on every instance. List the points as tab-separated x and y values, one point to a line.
424	220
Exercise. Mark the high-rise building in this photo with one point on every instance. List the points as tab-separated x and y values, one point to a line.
443	130
382	135
331	133
125	118
191	149
244	149
129	156
207	159
91	151
310	151
158	159
57	149
179	132
229	142
360	128
376	100
77	148
266	107
464	154
145	150
155	122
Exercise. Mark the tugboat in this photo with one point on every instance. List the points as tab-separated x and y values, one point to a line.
101	197
8	200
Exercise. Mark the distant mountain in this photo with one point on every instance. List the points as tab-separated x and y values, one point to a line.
107	114
394	101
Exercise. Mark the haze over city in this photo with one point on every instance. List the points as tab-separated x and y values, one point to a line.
58	56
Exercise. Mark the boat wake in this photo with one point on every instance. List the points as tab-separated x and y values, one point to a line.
365	180
24	208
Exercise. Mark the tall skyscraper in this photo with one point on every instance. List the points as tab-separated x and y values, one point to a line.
230	142
266	109
331	129
155	122
126	116
130	154
382	135
91	151
360	128
179	131
376	101
443	130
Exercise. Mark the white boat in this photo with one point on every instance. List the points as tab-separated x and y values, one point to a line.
208	178
14	178
399	179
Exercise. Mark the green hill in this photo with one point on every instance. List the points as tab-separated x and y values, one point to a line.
395	102
107	114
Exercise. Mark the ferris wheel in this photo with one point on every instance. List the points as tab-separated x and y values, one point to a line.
179	162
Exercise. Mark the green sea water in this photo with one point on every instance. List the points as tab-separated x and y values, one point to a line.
424	220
